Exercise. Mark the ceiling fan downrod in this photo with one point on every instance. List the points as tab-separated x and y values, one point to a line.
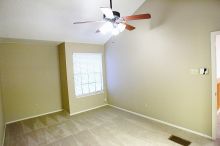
111	4
115	13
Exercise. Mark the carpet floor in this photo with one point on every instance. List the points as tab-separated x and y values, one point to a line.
105	126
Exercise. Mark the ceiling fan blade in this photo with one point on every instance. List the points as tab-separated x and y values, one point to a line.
82	22
137	17
107	12
129	27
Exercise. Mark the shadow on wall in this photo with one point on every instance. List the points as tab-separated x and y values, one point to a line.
157	18
2	121
218	94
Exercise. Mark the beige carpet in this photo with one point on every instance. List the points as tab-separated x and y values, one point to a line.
101	127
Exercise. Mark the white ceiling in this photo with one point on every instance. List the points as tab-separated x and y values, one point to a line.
53	19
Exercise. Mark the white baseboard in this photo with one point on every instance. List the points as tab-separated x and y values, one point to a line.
34	116
163	122
88	110
3	138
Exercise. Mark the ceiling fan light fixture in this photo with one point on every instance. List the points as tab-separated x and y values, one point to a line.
121	27
107	27
115	31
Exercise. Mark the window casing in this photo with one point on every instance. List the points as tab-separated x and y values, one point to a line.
88	74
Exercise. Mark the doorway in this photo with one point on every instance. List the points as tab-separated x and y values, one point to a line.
215	56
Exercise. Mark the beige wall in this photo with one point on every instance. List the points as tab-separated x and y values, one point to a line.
63	77
2	121
82	103
30	79
148	70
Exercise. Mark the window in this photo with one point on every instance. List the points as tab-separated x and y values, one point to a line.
88	77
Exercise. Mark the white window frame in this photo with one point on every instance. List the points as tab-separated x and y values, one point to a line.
102	78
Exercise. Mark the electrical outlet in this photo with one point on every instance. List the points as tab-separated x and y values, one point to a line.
146	105
105	99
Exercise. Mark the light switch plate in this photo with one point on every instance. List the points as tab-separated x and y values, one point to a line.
203	71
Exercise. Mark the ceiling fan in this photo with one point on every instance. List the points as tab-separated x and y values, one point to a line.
114	23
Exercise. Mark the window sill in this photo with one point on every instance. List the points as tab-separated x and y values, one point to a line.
90	94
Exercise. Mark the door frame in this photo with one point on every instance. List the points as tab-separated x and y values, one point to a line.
214	82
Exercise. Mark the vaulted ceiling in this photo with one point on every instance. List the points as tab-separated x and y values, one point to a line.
53	19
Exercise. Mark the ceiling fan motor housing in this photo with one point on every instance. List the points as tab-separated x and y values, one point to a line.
115	13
